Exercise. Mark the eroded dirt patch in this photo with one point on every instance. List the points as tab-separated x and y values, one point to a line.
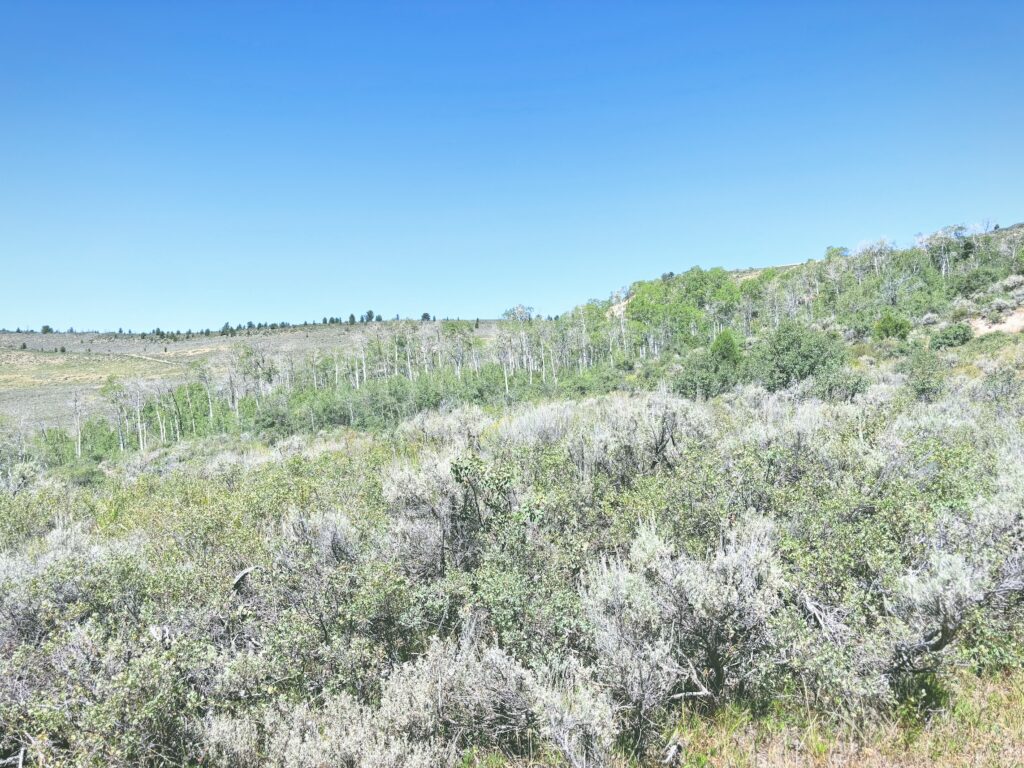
1014	323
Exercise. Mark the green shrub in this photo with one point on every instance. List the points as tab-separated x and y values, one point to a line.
953	335
925	377
792	353
707	373
975	280
891	326
840	384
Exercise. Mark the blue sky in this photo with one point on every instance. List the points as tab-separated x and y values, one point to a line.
184	164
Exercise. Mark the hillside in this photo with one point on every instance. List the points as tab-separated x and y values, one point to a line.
39	383
769	517
950	276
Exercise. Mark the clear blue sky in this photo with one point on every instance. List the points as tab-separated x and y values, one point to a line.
183	164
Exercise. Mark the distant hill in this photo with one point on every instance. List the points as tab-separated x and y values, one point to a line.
40	373
954	275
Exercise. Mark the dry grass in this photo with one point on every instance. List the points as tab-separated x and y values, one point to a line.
27	369
984	726
1013	323
38	385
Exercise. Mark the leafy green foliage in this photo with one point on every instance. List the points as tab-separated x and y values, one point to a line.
792	353
924	370
953	335
709	373
840	384
891	326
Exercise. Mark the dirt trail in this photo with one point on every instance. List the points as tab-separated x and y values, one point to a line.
155	359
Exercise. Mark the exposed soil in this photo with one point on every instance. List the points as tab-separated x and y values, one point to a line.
1014	323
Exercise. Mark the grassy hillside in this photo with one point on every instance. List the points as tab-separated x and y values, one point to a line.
771	517
42	374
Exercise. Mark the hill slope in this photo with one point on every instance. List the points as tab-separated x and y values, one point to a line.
726	525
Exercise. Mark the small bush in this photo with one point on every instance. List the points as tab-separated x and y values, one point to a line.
668	625
709	373
793	353
954	335
891	326
924	371
840	384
